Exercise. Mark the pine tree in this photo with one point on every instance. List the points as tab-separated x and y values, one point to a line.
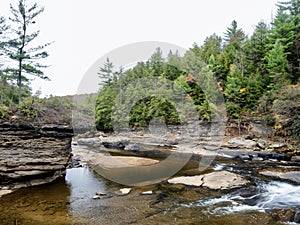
17	48
277	64
105	73
234	33
212	46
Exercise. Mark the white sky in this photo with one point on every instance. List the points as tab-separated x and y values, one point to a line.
84	31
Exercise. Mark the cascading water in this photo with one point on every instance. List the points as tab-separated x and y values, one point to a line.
267	196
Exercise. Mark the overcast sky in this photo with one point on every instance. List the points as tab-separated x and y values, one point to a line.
84	31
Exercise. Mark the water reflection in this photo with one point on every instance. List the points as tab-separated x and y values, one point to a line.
45	204
83	184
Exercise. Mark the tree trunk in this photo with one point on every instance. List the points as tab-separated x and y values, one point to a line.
20	80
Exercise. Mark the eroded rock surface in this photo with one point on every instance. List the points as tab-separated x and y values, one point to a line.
215	180
293	176
33	155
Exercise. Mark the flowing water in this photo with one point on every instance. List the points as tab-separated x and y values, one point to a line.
69	201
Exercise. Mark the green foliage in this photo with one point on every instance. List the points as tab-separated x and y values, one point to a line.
233	33
283	109
234	92
277	65
4	110
25	60
250	72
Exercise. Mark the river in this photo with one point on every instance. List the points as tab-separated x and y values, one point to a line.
70	201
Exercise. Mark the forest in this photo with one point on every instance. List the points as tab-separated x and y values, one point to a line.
257	75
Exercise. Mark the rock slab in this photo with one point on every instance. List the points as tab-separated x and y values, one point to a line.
214	180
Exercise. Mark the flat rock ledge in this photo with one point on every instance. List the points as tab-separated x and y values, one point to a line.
215	180
293	176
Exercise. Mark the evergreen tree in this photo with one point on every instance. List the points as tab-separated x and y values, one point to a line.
17	48
233	33
277	64
105	73
286	29
212	47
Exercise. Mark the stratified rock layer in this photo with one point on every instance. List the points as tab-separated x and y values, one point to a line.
33	155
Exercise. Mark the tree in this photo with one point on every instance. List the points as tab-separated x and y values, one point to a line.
3	29
286	29
211	47
234	34
277	64
17	48
105	73
234	92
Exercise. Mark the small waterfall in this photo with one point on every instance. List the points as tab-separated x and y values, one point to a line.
273	195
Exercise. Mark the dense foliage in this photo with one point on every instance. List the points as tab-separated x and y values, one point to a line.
252	73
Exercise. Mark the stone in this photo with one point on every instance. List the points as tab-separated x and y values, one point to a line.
296	218
89	141
293	176
260	129
262	143
277	145
5	192
295	159
132	148
244	157
118	144
147	193
188	180
119	161
123	191
214	180
223	180
257	159
96	197
240	142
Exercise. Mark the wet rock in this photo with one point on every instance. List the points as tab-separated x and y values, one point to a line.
223	180
118	144
277	156
295	159
293	176
240	142
147	193
257	159
281	157
296	218
89	141
262	143
100	193
5	192
123	191
244	157
132	148
96	197
188	180
215	180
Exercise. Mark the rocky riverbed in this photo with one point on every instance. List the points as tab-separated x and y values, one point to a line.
251	180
